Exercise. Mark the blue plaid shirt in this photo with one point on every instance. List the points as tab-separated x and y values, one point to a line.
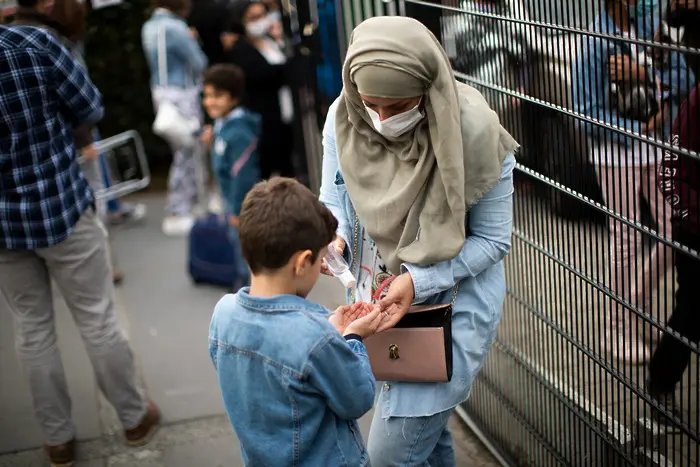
44	93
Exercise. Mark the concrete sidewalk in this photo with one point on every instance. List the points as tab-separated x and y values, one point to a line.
167	319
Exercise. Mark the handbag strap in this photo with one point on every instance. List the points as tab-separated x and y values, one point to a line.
387	283
162	57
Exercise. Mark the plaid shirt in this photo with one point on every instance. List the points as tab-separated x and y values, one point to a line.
44	93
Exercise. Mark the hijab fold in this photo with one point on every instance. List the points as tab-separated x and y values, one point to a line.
412	193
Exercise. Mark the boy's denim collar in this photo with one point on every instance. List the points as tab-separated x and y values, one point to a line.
276	304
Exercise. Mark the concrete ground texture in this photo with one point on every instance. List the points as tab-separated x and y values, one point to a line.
166	318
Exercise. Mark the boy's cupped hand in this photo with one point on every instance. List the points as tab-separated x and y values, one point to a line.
359	318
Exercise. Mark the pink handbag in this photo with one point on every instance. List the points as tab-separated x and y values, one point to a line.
417	349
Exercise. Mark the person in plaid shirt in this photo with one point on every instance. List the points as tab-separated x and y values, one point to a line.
49	230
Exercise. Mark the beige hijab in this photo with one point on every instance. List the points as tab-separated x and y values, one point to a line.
412	193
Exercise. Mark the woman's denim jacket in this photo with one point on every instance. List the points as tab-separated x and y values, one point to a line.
184	58
478	269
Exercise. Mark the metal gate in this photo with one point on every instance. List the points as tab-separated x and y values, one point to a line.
590	295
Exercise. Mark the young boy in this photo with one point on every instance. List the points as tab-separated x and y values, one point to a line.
294	382
234	147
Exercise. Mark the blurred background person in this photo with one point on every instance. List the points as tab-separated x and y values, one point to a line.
50	236
679	179
209	18
176	73
268	90
65	19
626	167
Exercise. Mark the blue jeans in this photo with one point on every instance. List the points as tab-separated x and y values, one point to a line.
411	442
242	272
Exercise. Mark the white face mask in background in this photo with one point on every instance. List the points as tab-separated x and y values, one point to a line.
397	125
258	28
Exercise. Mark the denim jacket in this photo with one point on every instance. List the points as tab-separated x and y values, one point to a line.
592	89
293	388
478	269
184	58
235	156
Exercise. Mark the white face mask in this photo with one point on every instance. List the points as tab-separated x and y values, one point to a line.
258	28
397	125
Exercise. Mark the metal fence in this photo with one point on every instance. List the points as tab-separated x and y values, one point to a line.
587	368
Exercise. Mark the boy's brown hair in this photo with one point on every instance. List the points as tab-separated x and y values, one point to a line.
279	218
226	77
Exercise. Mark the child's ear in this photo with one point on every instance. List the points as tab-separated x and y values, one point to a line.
303	262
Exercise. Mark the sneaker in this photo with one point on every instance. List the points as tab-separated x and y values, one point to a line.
129	212
144	431
626	347
177	226
62	455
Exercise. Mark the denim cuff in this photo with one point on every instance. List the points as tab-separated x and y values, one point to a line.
423	285
356	337
357	347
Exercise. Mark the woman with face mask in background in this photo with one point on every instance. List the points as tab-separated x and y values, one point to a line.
268	91
419	173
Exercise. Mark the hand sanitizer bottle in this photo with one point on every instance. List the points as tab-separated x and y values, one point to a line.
340	269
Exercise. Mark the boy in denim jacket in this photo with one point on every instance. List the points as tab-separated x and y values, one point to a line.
294	380
234	147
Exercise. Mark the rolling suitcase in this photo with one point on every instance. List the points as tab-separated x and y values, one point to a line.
211	253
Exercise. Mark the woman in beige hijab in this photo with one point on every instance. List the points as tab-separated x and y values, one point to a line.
418	171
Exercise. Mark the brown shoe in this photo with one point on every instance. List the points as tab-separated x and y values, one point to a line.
62	455
142	434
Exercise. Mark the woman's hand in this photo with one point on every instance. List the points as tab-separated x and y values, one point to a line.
623	68
207	135
276	31
228	40
339	244
345	315
397	301
655	123
90	152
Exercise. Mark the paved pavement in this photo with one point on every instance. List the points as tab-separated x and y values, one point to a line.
166	318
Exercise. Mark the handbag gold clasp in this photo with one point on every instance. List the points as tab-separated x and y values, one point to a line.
394	352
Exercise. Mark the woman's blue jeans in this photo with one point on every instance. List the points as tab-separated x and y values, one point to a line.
411	442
